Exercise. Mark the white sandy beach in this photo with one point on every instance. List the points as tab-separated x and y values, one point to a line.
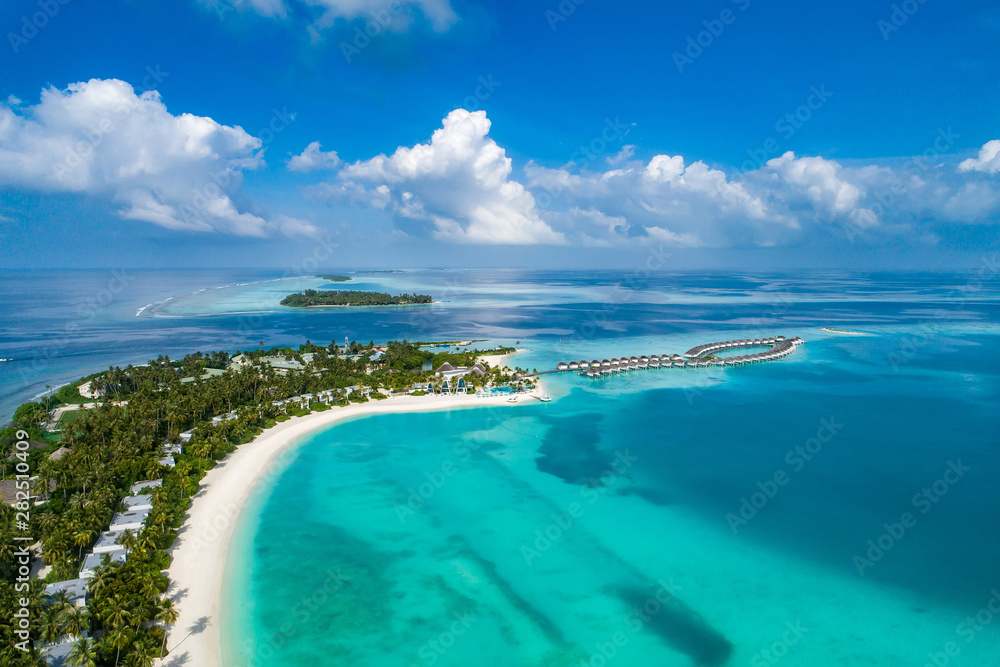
200	553
497	360
844	332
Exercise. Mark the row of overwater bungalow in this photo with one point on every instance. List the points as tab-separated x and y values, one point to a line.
780	347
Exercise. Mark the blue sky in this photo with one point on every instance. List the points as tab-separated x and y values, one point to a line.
729	133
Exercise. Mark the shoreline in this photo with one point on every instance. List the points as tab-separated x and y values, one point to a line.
844	332
200	554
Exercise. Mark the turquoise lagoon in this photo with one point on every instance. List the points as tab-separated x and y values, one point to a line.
605	527
497	537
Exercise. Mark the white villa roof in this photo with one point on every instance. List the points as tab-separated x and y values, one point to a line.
128	520
139	502
77	589
93	561
108	541
147	484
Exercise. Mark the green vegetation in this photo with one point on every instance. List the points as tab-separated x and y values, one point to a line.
334	278
119	442
311	297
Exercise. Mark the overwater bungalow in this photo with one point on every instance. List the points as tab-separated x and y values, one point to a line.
562	366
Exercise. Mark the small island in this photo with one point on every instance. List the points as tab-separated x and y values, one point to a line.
844	332
334	278
311	298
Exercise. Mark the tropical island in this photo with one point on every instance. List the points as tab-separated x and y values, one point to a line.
334	278
311	298
99	476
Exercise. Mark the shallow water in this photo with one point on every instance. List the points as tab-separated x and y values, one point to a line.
596	525
482	537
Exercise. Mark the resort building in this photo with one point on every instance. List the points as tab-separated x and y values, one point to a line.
149	484
94	561
75	589
128	521
108	542
138	503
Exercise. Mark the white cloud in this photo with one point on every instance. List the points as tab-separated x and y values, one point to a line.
392	15
611	224
819	180
626	153
461	185
988	160
100	138
682	201
459	182
664	168
670	238
290	226
312	159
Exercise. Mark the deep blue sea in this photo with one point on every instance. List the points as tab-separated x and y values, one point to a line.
837	507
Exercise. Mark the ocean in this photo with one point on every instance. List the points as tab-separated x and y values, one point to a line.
837	507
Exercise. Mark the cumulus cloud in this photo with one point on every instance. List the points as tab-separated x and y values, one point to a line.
461	187
459	182
664	194
823	184
313	159
393	15
100	138
988	160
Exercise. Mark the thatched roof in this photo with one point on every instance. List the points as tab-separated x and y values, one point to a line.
8	489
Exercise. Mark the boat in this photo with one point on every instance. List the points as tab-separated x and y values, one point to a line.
544	399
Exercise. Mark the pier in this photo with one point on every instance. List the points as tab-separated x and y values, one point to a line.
702	356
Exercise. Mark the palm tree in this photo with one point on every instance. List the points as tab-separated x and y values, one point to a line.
119	638
117	616
84	654
81	538
75	621
167	615
52	627
142	655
